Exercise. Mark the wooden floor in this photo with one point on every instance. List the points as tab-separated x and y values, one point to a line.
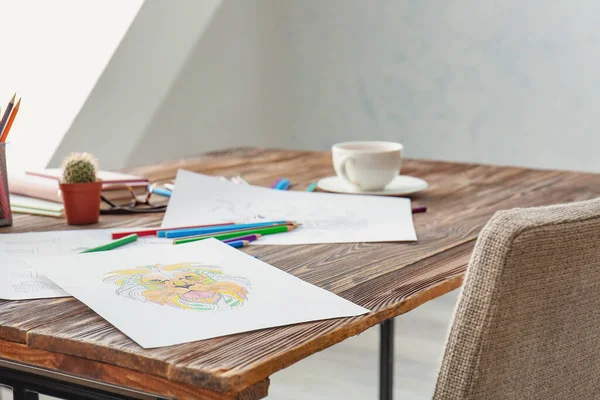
349	370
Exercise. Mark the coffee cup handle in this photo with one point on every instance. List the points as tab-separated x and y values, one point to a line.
343	162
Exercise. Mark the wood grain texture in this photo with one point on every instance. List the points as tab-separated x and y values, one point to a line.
121	377
387	278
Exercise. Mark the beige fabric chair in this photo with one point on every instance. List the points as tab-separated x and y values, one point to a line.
527	323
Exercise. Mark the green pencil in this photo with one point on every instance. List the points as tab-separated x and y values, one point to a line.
114	244
240	232
228	235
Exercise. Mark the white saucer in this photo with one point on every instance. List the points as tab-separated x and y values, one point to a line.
401	185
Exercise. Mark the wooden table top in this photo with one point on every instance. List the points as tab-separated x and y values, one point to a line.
387	278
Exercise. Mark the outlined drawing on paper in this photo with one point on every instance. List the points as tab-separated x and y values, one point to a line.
337	223
190	286
32	282
44	246
237	210
315	218
35	286
25	273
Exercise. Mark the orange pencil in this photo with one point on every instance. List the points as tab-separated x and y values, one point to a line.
11	119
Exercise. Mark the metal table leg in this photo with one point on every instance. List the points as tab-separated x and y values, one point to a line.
21	393
27	381
386	360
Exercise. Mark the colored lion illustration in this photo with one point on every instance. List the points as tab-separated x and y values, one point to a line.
190	286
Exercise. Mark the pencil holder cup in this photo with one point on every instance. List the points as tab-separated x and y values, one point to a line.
5	213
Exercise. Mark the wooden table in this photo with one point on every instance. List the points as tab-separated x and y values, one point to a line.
63	335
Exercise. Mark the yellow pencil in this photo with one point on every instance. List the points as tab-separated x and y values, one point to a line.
11	119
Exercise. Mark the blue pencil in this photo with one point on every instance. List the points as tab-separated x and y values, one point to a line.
161	232
312	187
239	244
161	191
284	184
179	233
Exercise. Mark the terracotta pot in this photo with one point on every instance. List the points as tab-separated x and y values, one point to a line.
82	202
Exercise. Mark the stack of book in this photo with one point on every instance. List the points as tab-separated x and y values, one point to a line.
37	192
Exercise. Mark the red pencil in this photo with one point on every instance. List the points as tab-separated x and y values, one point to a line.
154	231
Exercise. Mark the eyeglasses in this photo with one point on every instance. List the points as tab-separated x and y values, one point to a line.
130	202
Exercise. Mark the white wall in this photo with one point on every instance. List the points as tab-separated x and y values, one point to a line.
218	99
52	53
138	78
507	82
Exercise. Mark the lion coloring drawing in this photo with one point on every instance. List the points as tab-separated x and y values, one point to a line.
190	286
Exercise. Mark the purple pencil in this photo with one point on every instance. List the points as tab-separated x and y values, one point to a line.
249	238
274	185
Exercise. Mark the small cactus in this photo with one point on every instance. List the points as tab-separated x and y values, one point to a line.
79	168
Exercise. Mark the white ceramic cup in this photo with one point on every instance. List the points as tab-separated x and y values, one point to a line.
369	166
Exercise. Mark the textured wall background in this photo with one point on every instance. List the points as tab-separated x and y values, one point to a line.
509	82
506	81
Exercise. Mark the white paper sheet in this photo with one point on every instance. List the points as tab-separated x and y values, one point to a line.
19	282
325	217
23	283
165	296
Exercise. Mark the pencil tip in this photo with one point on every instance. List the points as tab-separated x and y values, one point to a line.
18	102
12	100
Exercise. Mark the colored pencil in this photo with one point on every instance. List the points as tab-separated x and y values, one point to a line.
158	231
240	231
228	235
113	245
250	238
161	191
235	227
312	187
6	114
162	233
274	185
239	244
11	119
284	184
417	210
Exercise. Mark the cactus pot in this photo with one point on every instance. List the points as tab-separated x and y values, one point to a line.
82	202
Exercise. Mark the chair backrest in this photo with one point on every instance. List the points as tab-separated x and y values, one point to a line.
527	322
